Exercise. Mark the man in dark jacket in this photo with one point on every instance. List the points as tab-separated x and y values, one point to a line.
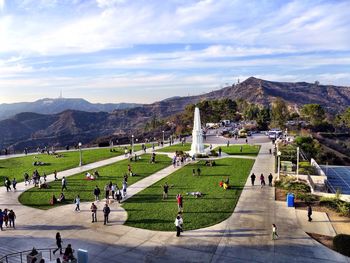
97	192
106	211
309	212
252	178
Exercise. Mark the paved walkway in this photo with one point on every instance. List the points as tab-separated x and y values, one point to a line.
244	237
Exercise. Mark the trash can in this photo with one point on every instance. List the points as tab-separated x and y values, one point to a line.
82	256
290	200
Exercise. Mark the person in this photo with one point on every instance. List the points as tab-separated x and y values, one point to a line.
12	217
274	232
198	171
252	178
193	172
26	179
53	200
220	150
77	203
309	212
6	217
262	180
68	253
97	192
94	212
55	175
270	151
178	226
61	198
113	190
228	143
195	194
270	177
125	186
106	211
8	184
1	220
240	149
64	184
221	184
107	191
118	195
96	174
165	190
58	243
14	183
179	202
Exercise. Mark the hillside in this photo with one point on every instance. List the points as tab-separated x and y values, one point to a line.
53	106
71	126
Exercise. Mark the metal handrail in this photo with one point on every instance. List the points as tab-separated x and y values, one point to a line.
5	259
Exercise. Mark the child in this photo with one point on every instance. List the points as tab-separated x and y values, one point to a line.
274	232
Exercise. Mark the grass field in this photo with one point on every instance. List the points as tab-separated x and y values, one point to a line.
148	210
247	149
16	167
176	147
76	184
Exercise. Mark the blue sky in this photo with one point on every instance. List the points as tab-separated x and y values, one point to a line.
144	51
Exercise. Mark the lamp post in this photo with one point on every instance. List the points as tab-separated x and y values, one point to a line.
279	165
163	137
132	144
298	163
80	154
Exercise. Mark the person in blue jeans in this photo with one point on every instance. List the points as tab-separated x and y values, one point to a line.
1	219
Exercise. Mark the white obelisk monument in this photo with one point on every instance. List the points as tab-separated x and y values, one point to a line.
197	146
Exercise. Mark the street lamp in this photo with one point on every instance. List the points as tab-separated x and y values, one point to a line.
81	154
279	165
298	163
132	144
163	137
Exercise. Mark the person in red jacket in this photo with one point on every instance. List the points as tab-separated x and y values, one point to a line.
179	202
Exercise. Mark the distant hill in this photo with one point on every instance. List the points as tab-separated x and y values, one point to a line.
72	126
52	106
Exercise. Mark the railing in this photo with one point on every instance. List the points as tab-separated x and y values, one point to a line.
22	256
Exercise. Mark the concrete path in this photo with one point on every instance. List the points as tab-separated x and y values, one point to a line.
320	223
244	237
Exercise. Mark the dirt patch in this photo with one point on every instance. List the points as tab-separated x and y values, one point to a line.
324	240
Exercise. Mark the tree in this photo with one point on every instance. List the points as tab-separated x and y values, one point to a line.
345	117
314	113
279	113
263	118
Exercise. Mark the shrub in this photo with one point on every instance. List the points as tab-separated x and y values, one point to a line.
335	203
213	153
341	243
307	198
307	168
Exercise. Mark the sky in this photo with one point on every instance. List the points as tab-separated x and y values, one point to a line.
144	51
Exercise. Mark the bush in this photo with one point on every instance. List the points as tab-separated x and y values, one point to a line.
307	198
341	243
307	168
289	183
338	205
213	153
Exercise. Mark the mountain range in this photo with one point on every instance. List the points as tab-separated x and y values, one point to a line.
71	126
53	106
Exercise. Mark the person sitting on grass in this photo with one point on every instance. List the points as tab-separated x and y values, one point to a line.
61	198
89	176
221	184
53	200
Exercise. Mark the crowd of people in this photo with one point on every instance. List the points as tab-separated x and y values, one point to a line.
7	219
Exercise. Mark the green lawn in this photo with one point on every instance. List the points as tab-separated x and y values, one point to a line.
76	184
148	210
176	147
247	149
16	167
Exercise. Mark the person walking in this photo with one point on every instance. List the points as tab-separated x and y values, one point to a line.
1	220
198	171
106	211
26	179
274	232
220	151
14	183
252	178
125	187
309	212
107	191
12	217
113	190
97	193
94	212
8	184
262	181
55	175
77	203
64	184
58	243
178	225
270	177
